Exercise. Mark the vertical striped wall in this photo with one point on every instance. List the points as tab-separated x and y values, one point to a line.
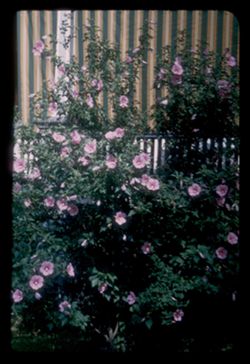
219	28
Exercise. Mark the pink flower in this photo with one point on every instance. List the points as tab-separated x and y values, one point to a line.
99	85
194	190
146	248
53	109
62	204
176	80
38	48
65	151
70	270
231	61
75	92
111	162
119	132
17	187
61	69
72	198
27	202
134	181
222	190
94	83
131	298
139	161
178	315
63	306
221	253
153	184
49	201
84	68
128	59
144	180
34	174
47	268
110	135
19	165
177	69
224	88
90	147
232	238
123	101
84	160
36	282
120	218
58	137
90	101
17	296
103	287
76	137
136	50
73	210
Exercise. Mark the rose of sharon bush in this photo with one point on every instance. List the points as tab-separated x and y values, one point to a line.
106	241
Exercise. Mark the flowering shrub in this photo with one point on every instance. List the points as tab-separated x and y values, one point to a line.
102	246
203	92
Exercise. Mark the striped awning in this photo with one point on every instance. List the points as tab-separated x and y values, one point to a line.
219	28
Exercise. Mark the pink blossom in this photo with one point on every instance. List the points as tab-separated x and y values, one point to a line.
72	198
176	80
63	306
139	161
177	69
19	165
120	218
178	315
84	68
128	59
27	202
99	85
36	282
103	287
144	179
123	187
47	268
49	201
221	253
194	190
75	92
34	174
62	204
136	50
94	83
70	270
58	137
61	69
53	109
222	190
134	181
84	160
90	147
110	135
73	210
131	298
145	157
76	137
17	295
123	101
38	48
231	61
90	101
119	132
146	248
224	88
111	162
153	184
232	238
17	187
65	151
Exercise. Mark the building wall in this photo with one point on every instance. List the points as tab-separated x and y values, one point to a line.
220	29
